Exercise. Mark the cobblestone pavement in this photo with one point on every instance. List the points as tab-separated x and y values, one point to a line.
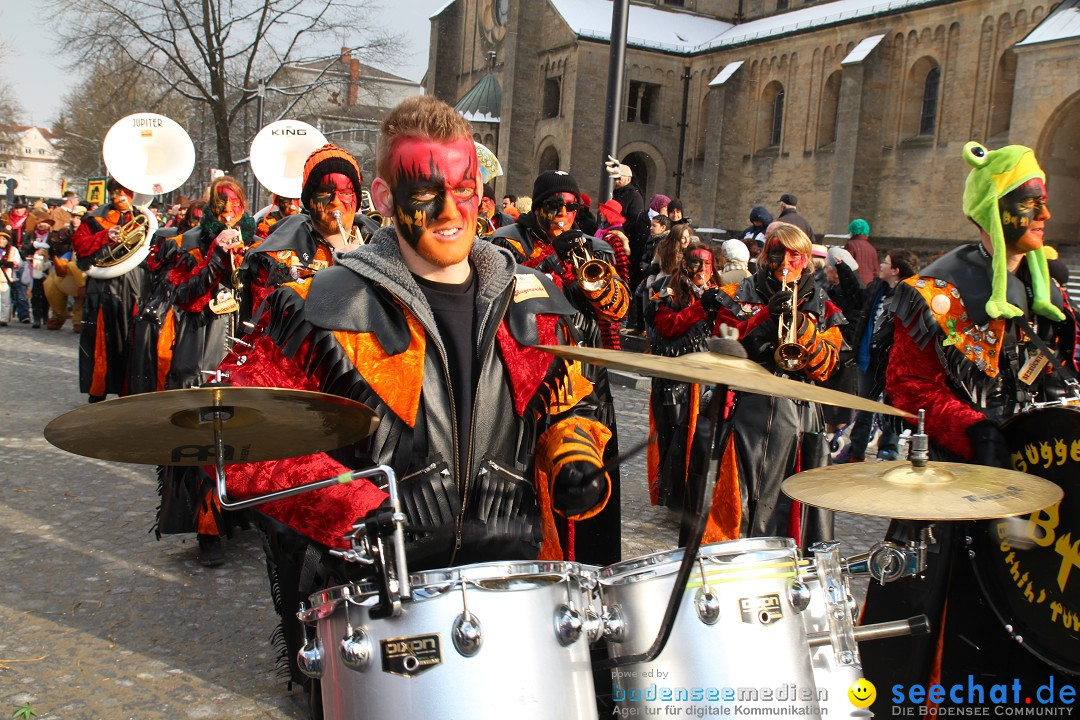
103	622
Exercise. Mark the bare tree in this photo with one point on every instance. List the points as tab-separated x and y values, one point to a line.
214	53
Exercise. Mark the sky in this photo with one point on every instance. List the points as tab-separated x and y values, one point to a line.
34	66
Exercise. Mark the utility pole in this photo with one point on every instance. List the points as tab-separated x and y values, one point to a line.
620	15
260	96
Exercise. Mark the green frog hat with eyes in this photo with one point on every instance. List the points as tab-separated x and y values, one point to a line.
994	174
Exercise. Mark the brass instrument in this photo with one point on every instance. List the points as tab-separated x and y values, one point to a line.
790	356
592	274
367	207
130	236
349	238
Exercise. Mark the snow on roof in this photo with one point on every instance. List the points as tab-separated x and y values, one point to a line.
682	32
807	18
1063	23
647	27
862	50
727	72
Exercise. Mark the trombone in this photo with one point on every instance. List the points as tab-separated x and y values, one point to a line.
790	356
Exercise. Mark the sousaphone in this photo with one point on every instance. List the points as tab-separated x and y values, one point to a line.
278	153
149	154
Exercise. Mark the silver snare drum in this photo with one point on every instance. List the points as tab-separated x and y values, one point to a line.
738	640
479	641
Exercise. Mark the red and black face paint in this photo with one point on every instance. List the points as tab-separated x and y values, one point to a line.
697	264
434	189
1023	212
227	205
557	213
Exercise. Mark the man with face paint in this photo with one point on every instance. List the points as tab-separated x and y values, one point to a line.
279	209
303	243
109	303
436	333
747	501
678	324
547	239
963	352
204	285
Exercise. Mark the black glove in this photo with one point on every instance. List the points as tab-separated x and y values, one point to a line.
578	487
780	303
988	445
711	302
567	241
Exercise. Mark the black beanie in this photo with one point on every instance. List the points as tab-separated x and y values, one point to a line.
328	159
551	182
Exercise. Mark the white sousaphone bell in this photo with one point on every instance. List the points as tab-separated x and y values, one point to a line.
278	153
149	154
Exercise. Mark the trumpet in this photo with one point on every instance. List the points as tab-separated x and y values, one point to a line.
130	238
592	274
349	238
790	356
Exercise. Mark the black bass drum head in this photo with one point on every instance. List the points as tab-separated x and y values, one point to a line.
1029	566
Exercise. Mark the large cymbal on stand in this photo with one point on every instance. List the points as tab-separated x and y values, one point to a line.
938	491
712	368
177	427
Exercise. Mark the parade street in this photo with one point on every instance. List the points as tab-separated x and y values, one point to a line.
103	622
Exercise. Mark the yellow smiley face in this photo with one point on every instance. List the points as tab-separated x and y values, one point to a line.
862	693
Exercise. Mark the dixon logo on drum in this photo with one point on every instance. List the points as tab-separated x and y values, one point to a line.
410	656
765	609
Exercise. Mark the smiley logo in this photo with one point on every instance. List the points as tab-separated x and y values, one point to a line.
862	693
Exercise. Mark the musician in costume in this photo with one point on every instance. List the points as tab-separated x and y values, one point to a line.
437	334
109	303
154	327
547	239
965	351
677	325
279	209
774	438
205	284
304	243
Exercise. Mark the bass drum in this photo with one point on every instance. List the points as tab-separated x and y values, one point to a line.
1029	566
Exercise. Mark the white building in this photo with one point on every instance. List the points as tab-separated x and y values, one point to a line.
29	155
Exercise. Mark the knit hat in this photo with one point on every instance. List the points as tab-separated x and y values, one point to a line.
735	251
552	182
858	226
328	159
994	174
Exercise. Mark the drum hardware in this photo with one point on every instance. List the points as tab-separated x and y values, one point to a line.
706	602
355	648
718	367
838	606
789	355
310	657
916	625
466	633
569	623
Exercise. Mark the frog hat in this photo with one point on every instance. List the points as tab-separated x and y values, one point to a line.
994	174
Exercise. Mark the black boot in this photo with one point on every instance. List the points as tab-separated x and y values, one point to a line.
211	553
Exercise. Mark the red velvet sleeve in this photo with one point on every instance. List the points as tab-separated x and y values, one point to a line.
672	324
195	283
324	515
725	317
86	242
915	380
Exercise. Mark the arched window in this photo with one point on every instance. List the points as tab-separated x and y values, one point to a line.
1002	96
777	128
830	106
771	114
928	113
549	159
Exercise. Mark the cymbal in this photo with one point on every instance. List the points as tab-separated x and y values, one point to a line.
714	368
939	491
175	427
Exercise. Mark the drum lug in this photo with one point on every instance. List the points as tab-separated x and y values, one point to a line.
707	606
310	659
594	625
355	649
799	596
614	624
467	633
568	625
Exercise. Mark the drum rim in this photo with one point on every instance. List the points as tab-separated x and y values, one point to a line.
324	602
619	572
